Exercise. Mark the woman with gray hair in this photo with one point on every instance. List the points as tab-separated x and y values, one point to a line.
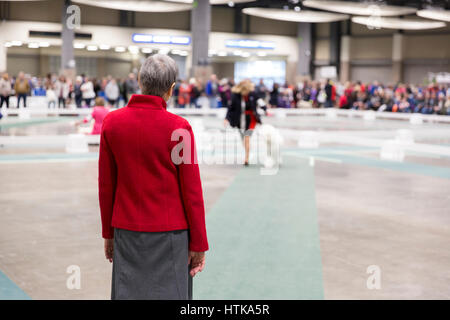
151	202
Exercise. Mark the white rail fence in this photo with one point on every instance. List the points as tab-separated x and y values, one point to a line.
37	106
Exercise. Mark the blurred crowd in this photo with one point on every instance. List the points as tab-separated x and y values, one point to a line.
214	93
61	91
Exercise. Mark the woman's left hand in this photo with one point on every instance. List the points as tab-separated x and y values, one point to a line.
196	261
109	249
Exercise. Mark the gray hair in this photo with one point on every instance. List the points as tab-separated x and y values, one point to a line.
157	74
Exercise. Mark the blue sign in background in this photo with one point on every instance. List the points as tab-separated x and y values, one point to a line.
249	44
160	39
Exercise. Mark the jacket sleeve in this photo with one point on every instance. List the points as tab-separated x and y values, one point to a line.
107	179
192	195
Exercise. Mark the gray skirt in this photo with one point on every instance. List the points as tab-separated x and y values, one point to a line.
151	266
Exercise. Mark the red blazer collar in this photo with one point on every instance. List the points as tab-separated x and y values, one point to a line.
147	101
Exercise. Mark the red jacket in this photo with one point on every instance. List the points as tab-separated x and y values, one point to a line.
140	187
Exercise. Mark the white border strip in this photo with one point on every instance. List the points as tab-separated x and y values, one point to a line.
332	112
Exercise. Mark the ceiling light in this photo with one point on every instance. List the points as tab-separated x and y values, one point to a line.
222	54
138	5
78	45
119	49
133	49
92	48
358	8
161	39
299	16
8	44
33	45
442	15
262	54
180	40
104	47
245	54
397	23
164	51
44	44
147	50
16	43
213	1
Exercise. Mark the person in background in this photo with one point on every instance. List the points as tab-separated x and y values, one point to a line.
375	101
261	90
87	90
176	93
284	98
150	193
61	88
404	105
131	86
315	91
225	92
123	93
97	86
196	90
273	101
112	92
430	101
78	94
5	90
242	113
440	106
212	90
296	96
361	86
306	92
48	80
447	104
360	99
21	87
98	114
50	93
184	94
344	101
330	91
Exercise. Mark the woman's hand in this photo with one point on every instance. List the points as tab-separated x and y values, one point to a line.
109	249
226	123
196	260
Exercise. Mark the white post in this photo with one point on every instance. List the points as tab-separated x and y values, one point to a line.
3	52
397	57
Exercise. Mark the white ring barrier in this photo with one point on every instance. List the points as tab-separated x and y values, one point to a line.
413	118
392	150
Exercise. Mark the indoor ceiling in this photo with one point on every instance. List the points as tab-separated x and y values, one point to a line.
418	4
426	13
407	15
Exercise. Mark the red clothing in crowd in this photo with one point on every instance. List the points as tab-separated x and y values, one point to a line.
363	87
343	101
140	187
184	94
98	114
